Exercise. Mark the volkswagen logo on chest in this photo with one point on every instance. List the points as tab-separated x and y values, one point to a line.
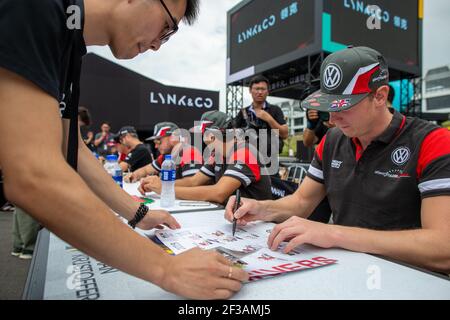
332	76
401	155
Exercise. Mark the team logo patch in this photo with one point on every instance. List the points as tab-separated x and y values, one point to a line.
381	77
401	155
336	164
332	76
339	104
394	173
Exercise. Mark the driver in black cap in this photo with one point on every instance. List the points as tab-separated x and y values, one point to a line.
139	155
386	176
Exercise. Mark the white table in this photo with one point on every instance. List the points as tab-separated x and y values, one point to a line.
348	279
180	205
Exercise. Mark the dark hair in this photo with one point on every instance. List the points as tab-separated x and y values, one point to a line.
84	115
259	79
391	94
192	11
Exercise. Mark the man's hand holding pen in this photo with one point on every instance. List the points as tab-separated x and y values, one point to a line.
248	210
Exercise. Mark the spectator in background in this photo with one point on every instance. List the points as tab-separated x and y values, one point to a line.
25	232
5	206
84	119
25	228
104	140
261	115
138	155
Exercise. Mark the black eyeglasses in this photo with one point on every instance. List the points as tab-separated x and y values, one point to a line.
166	36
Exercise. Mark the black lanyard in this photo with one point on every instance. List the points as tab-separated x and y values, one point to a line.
73	77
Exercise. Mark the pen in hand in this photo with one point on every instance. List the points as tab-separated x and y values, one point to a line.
236	206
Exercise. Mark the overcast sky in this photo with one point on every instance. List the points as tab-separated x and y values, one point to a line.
195	57
436	24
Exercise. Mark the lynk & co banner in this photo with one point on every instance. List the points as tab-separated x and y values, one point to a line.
122	97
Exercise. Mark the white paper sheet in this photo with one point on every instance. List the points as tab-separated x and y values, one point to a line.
247	248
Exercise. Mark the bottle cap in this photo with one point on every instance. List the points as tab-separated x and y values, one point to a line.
111	157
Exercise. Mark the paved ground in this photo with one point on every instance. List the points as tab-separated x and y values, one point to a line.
13	271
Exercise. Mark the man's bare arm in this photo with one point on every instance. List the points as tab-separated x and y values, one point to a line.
428	247
140	173
218	192
100	182
38	179
54	194
198	179
124	166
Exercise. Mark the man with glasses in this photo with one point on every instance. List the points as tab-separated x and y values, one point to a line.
261	115
41	47
170	28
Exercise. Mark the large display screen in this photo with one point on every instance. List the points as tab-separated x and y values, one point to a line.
261	31
395	32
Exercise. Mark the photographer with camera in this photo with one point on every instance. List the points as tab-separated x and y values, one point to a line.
318	123
261	115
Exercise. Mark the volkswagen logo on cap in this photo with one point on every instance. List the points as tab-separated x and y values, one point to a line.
400	155
332	76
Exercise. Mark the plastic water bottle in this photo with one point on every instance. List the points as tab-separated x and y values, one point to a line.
168	176
113	168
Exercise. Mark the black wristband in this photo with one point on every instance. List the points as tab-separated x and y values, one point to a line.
140	214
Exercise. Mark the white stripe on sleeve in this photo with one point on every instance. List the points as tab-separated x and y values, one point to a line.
316	172
431	185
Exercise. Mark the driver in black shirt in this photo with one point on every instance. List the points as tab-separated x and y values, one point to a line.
139	155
